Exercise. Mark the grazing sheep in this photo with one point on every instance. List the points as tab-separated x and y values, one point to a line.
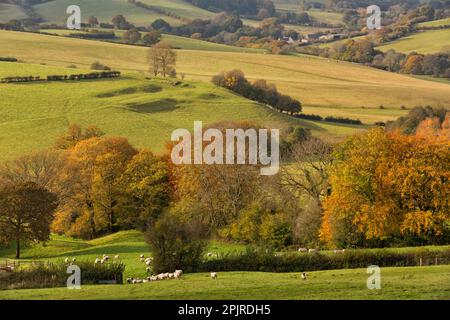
74	259
148	269
148	263
116	257
105	257
97	261
303	250
171	276
142	260
304	276
210	254
130	280
339	251
66	260
142	256
214	275
178	273
313	250
153	278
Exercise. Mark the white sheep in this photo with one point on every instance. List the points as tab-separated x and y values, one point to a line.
105	257
210	254
74	259
130	280
97	261
214	275
303	250
142	256
339	251
304	276
148	269
142	260
313	250
66	260
116	257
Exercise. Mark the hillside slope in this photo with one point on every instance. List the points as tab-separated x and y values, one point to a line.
325	87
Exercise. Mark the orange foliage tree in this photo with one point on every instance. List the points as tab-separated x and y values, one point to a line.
386	185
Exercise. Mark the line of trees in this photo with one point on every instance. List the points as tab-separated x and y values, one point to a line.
259	90
73	77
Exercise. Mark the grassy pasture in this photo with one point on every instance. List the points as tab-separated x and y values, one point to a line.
397	283
415	283
430	41
10	11
322	85
435	23
175	41
146	111
104	10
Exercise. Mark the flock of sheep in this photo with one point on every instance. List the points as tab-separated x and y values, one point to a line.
159	277
178	273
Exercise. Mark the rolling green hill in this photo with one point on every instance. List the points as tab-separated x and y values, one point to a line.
146	111
435	23
9	11
324	86
175	41
430	41
55	11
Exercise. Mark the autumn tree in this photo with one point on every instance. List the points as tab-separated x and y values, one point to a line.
76	134
26	212
388	185
90	179
162	59
132	36
145	190
92	21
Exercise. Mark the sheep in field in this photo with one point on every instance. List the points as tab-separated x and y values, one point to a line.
214	275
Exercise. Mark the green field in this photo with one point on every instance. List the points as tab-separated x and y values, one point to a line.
435	23
397	283
146	111
430	41
9	11
322	85
419	283
175	41
55	11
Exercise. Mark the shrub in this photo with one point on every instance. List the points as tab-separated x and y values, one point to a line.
99	66
260	259
50	275
8	59
176	244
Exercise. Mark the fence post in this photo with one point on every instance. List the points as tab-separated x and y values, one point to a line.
420	261
436	260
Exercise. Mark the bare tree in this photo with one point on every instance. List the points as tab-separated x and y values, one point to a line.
308	168
162	59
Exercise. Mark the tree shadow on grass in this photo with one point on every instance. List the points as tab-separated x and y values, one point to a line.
163	105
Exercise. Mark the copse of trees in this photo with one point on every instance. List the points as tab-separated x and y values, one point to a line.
389	188
363	51
408	124
260	91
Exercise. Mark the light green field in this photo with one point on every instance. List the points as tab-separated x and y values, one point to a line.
413	283
104	10
324	86
430	41
435	23
9	12
33	115
175	41
397	283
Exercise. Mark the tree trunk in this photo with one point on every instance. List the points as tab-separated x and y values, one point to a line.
17	248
